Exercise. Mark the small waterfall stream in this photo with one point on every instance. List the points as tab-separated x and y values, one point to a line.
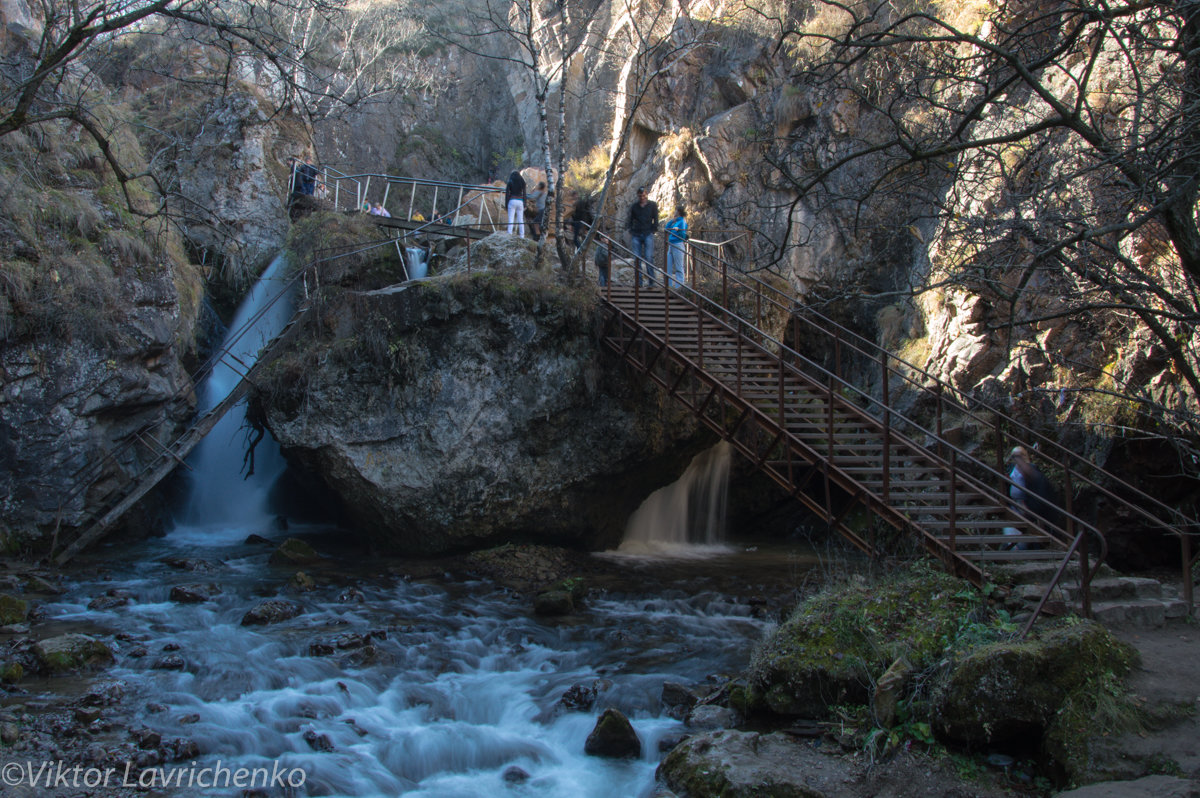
222	501
687	517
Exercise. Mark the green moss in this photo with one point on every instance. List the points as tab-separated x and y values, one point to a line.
836	643
12	609
11	672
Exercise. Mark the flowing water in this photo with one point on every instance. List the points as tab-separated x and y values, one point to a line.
388	684
457	686
222	502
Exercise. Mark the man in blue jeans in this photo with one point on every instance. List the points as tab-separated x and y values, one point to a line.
643	224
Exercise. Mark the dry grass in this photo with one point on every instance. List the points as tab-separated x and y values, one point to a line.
586	174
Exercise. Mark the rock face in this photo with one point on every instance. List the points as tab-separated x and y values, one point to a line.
95	317
472	410
237	169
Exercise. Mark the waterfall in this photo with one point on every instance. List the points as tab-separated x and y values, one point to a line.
220	496
417	265
687	516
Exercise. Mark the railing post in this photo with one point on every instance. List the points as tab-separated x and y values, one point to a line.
953	500
887	429
1085	576
1185	542
700	340
1068	501
1001	460
387	187
412	197
782	413
940	440
829	422
837	353
666	312
724	286
738	343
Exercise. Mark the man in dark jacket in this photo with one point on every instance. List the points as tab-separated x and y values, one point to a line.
643	224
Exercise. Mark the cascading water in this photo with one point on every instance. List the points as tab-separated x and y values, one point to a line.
221	498
391	687
418	267
686	517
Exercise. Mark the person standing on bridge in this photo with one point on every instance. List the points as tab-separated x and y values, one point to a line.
677	236
514	202
643	224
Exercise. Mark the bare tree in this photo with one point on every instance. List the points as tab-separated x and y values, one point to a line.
1047	149
637	41
312	56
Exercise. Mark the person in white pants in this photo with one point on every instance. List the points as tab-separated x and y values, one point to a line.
514	200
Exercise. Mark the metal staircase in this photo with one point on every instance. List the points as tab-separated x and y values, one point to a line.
835	446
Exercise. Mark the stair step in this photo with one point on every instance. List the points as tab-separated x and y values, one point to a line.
991	540
1118	588
1000	555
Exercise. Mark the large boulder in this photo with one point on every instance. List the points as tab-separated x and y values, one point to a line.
838	643
1016	690
472	409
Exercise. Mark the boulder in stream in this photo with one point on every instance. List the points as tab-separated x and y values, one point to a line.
194	593
271	611
613	736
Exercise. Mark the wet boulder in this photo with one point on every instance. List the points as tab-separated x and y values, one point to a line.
193	564
582	696
271	611
71	652
111	599
194	593
708	717
613	736
294	552
553	603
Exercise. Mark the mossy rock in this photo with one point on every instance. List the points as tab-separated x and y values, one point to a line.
71	652
835	644
294	552
11	672
613	736
1012	691
12	609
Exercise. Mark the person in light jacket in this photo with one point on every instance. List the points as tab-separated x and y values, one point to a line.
677	236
